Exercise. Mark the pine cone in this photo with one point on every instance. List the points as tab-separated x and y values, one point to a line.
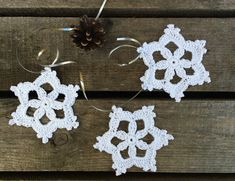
89	34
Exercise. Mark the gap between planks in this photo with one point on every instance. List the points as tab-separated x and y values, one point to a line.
67	176
119	8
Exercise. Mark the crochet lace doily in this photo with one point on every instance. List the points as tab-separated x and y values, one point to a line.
133	139
173	63
46	104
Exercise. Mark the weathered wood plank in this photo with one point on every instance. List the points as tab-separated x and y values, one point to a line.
101	73
204	139
118	7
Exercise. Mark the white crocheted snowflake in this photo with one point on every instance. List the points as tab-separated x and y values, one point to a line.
173	63
133	139
46	104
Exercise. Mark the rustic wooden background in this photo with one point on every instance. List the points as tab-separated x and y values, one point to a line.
203	124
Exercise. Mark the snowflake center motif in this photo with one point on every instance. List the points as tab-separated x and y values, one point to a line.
46	104
174	63
130	139
133	139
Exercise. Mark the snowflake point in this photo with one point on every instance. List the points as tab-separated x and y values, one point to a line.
11	122
170	137
151	108
114	107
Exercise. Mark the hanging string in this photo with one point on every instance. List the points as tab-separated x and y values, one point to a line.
84	94
101	9
68	29
22	66
54	64
126	45
97	16
99	109
40	53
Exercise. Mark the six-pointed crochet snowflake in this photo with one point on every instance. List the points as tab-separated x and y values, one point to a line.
46	104
133	139
173	63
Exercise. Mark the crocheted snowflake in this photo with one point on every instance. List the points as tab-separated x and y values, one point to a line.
133	140
46	104
173	63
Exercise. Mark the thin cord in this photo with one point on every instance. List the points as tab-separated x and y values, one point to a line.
122	46
18	60
84	93
53	64
129	39
126	45
97	16
101	9
99	109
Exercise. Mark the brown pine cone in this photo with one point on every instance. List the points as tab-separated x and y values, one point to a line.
89	34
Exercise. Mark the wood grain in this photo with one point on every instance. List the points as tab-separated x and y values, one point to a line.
118	8
101	73
203	131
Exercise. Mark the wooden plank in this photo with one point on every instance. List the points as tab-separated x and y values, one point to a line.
204	139
101	73
118	8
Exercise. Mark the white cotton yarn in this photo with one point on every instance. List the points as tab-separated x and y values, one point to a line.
173	63
133	139
46	104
